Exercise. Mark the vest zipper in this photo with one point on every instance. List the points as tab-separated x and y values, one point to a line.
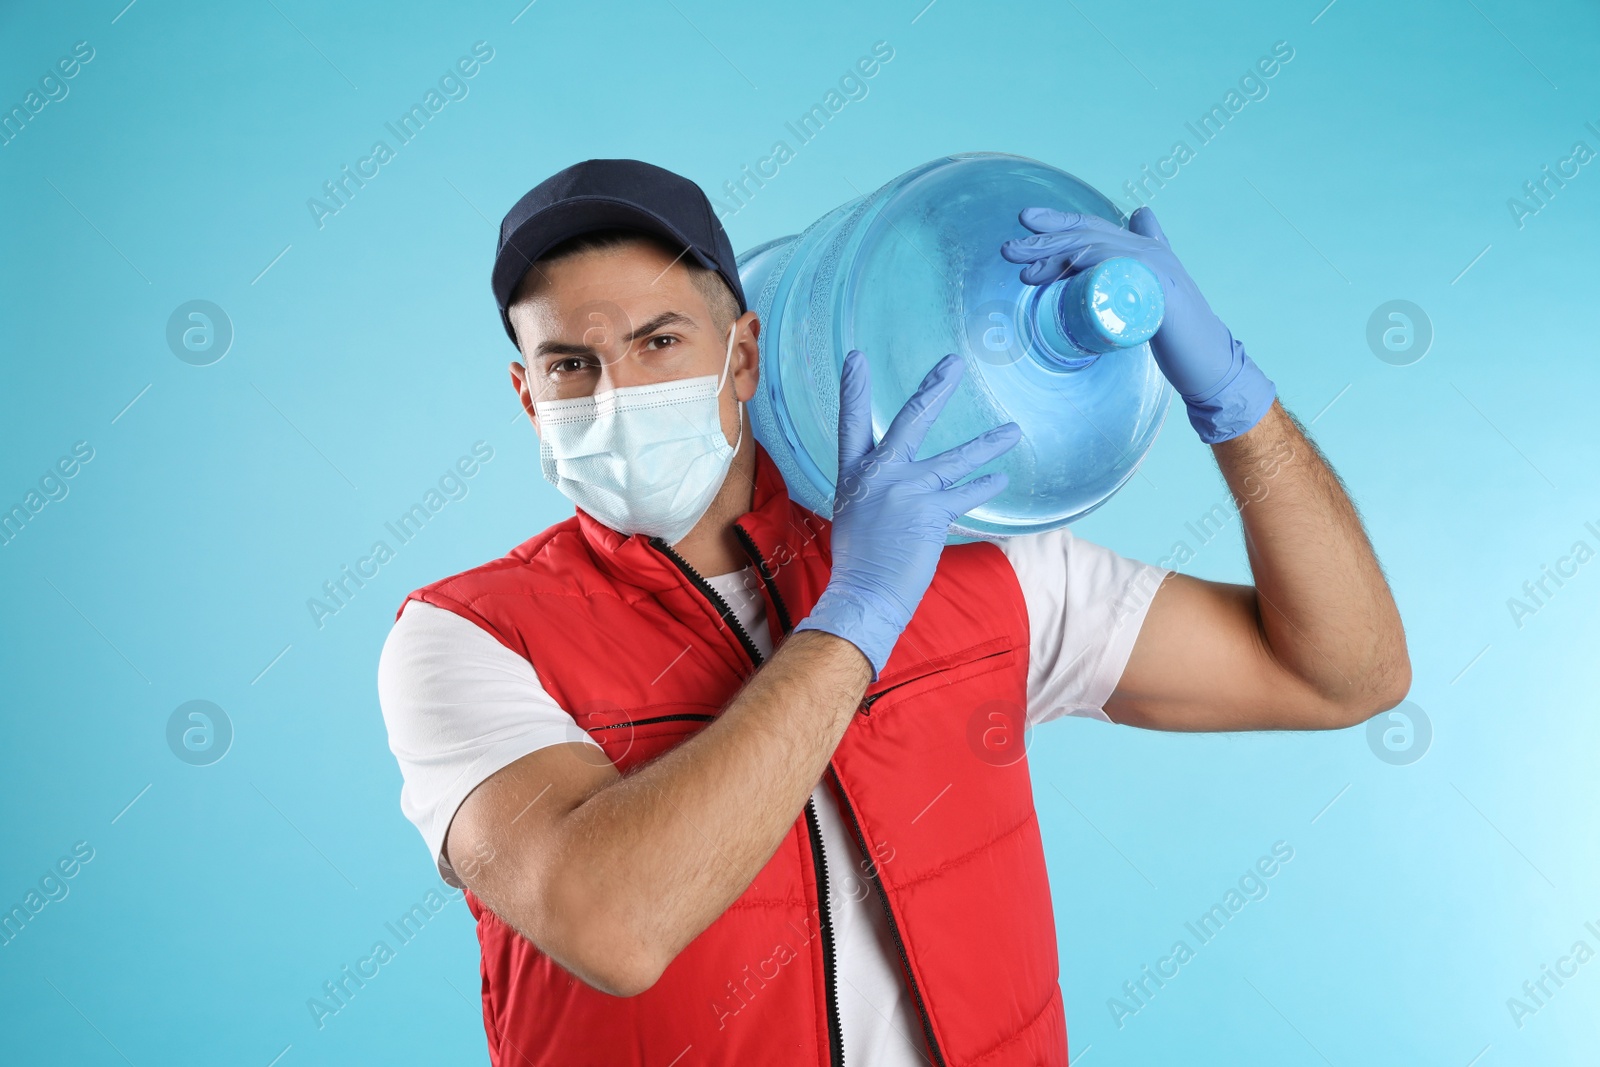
728	617
825	928
868	701
655	719
766	576
872	698
824	914
894	927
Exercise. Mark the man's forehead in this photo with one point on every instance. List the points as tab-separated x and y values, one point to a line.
602	320
623	297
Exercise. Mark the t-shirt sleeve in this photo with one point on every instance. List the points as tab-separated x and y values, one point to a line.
1085	607
458	706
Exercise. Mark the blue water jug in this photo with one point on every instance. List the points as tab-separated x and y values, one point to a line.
912	272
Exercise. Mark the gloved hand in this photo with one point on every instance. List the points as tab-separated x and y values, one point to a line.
1225	391
892	511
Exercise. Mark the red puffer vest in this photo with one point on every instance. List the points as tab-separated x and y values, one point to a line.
643	653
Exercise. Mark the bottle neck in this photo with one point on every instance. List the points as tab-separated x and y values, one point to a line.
1050	344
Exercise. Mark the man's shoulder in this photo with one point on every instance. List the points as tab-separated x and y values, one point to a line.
977	578
1022	556
1048	544
544	562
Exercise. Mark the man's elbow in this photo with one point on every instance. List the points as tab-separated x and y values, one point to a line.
1383	690
604	950
621	975
626	967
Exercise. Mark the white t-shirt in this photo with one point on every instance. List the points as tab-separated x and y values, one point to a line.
1085	606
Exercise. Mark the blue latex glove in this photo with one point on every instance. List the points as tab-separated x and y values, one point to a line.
892	511
1225	391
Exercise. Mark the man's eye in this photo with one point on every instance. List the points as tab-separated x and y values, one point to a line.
666	337
571	365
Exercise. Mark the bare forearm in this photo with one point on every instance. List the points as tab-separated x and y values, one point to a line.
654	857
1326	612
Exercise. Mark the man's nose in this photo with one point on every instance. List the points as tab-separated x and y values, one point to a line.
613	372
617	370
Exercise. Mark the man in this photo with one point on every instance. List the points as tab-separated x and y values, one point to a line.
728	783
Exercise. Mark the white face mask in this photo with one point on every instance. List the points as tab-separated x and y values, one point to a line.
643	458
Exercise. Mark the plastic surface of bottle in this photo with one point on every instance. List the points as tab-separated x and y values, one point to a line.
913	271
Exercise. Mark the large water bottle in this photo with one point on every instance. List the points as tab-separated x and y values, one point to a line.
913	271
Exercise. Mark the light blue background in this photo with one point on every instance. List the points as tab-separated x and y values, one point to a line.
368	358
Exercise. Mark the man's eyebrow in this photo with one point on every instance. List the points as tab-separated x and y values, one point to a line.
666	318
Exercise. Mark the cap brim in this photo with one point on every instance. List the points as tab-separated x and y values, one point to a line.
545	229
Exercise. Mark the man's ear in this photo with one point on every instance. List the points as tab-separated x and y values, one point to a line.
747	352
519	382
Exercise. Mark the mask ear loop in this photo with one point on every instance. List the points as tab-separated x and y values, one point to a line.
727	361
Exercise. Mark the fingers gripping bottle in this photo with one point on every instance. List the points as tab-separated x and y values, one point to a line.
913	271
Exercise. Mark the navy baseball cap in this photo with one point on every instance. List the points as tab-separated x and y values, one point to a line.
603	194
